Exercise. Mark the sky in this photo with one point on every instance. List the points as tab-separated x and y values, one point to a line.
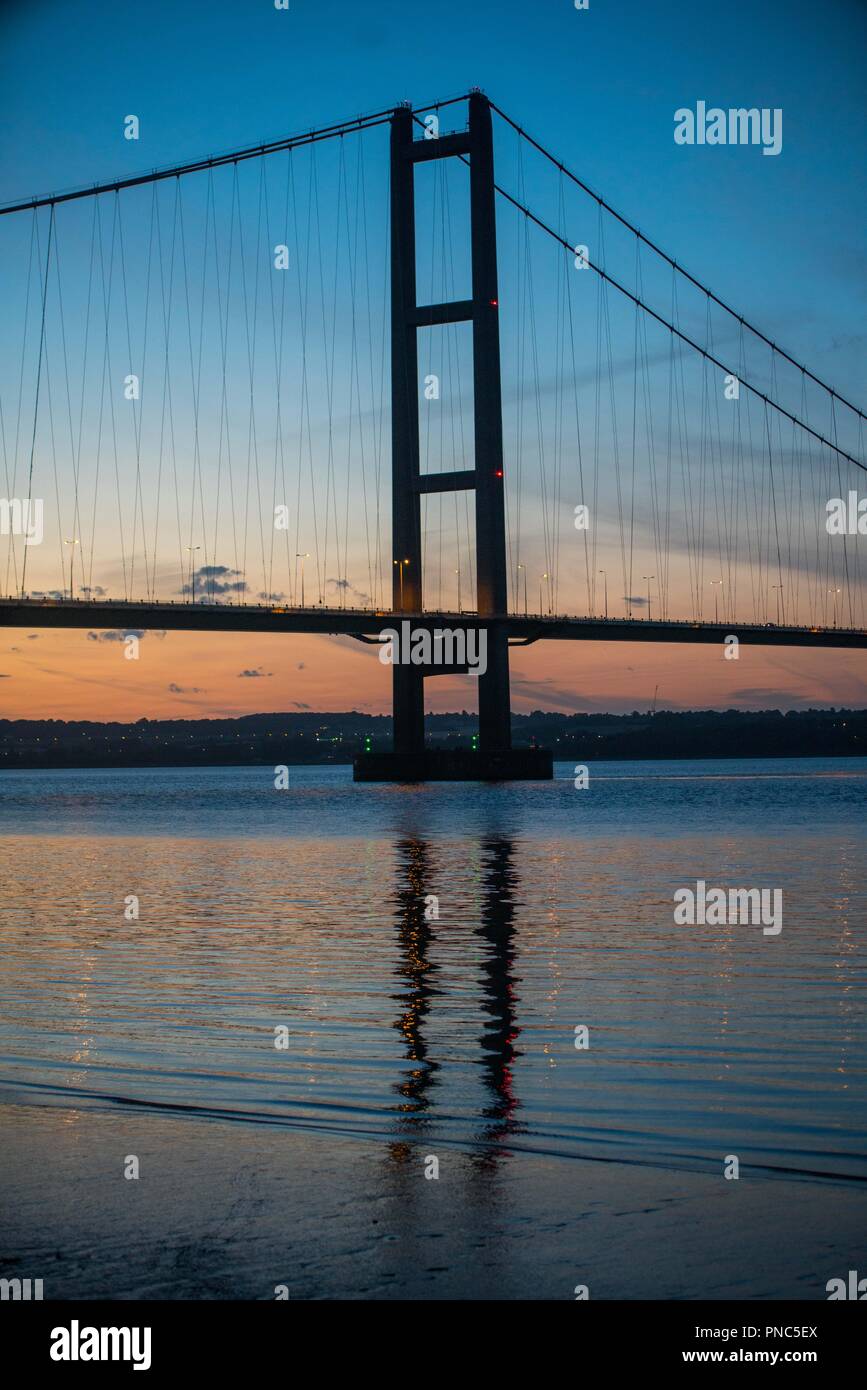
778	237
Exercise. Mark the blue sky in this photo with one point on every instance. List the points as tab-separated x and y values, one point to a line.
780	237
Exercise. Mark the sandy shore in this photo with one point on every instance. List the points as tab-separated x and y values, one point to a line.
231	1210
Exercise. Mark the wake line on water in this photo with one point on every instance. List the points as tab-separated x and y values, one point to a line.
65	1097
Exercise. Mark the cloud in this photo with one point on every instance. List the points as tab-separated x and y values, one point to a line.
186	689
299	704
300	666
636	600
33	636
5	676
121	634
210	581
362	599
49	593
95	591
115	635
254	674
270	598
774	699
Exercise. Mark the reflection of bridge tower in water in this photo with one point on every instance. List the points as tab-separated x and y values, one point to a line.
495	757
498	1041
416	934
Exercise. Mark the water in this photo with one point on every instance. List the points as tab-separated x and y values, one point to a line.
424	956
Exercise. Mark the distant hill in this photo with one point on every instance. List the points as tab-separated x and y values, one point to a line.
335	738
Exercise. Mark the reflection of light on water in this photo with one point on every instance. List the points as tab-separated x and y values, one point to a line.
83	1049
411	1031
847	947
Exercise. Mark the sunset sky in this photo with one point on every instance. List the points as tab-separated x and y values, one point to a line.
54	675
779	238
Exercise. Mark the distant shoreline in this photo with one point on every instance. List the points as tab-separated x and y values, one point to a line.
310	739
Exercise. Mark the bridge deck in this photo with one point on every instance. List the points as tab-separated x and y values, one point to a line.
366	624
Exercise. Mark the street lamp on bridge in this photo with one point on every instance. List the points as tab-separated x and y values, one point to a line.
648	577
72	544
524	568
716	585
192	549
400	565
605	574
302	557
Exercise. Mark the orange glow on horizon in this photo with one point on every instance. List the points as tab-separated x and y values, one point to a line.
50	674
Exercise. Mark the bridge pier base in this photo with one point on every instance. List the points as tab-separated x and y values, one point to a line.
455	765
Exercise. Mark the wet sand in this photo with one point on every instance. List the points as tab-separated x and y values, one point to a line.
232	1210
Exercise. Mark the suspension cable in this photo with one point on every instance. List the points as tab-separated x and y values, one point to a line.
679	332
673	263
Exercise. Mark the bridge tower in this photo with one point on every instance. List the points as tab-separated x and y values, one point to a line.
494	757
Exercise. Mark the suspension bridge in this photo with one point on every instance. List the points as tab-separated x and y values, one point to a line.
255	393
